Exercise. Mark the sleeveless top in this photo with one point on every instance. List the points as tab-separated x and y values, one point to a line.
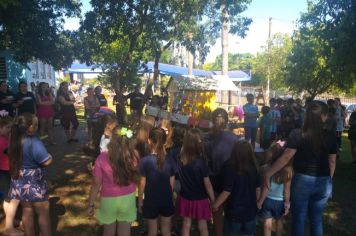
67	108
89	112
276	191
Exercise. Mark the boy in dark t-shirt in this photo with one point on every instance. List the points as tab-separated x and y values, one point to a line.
6	99
25	101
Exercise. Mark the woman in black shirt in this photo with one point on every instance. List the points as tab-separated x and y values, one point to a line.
313	150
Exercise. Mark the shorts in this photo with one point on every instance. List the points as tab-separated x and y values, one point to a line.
234	228
151	211
69	118
4	183
29	187
250	133
272	209
112	209
195	209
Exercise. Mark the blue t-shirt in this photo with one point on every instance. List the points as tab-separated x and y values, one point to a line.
218	148
274	114
191	178
34	153
250	121
265	122
241	204
173	156
158	190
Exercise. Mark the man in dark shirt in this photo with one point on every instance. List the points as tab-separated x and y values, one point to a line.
136	101
25	101
6	99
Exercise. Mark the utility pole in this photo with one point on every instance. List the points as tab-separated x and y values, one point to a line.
269	59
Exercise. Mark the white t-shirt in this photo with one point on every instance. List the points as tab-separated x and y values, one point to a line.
104	141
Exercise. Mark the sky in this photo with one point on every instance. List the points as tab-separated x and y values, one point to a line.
284	14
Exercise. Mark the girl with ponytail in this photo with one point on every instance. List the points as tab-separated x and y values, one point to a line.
28	157
156	183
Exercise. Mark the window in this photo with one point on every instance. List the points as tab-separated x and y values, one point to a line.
34	70
3	73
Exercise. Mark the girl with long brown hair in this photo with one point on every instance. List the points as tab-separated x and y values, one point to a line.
28	157
156	183
115	175
313	151
241	187
196	189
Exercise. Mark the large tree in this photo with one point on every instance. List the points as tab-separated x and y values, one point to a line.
308	67
225	17
333	23
272	61
33	29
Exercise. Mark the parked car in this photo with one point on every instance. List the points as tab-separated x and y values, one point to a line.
349	109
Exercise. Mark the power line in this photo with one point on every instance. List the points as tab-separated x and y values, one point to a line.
273	18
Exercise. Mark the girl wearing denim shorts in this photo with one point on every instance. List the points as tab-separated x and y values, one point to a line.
275	202
115	173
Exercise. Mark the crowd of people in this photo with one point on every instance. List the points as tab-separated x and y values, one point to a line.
178	172
192	174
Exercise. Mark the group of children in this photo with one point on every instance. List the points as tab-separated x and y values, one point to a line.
179	172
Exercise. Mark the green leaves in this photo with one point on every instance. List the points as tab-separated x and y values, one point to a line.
34	30
323	50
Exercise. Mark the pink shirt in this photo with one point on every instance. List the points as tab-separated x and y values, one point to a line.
103	171
4	159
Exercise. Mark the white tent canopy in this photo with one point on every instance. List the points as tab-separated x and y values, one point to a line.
193	83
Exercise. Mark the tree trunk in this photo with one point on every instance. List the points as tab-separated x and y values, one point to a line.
225	40
190	62
190	56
